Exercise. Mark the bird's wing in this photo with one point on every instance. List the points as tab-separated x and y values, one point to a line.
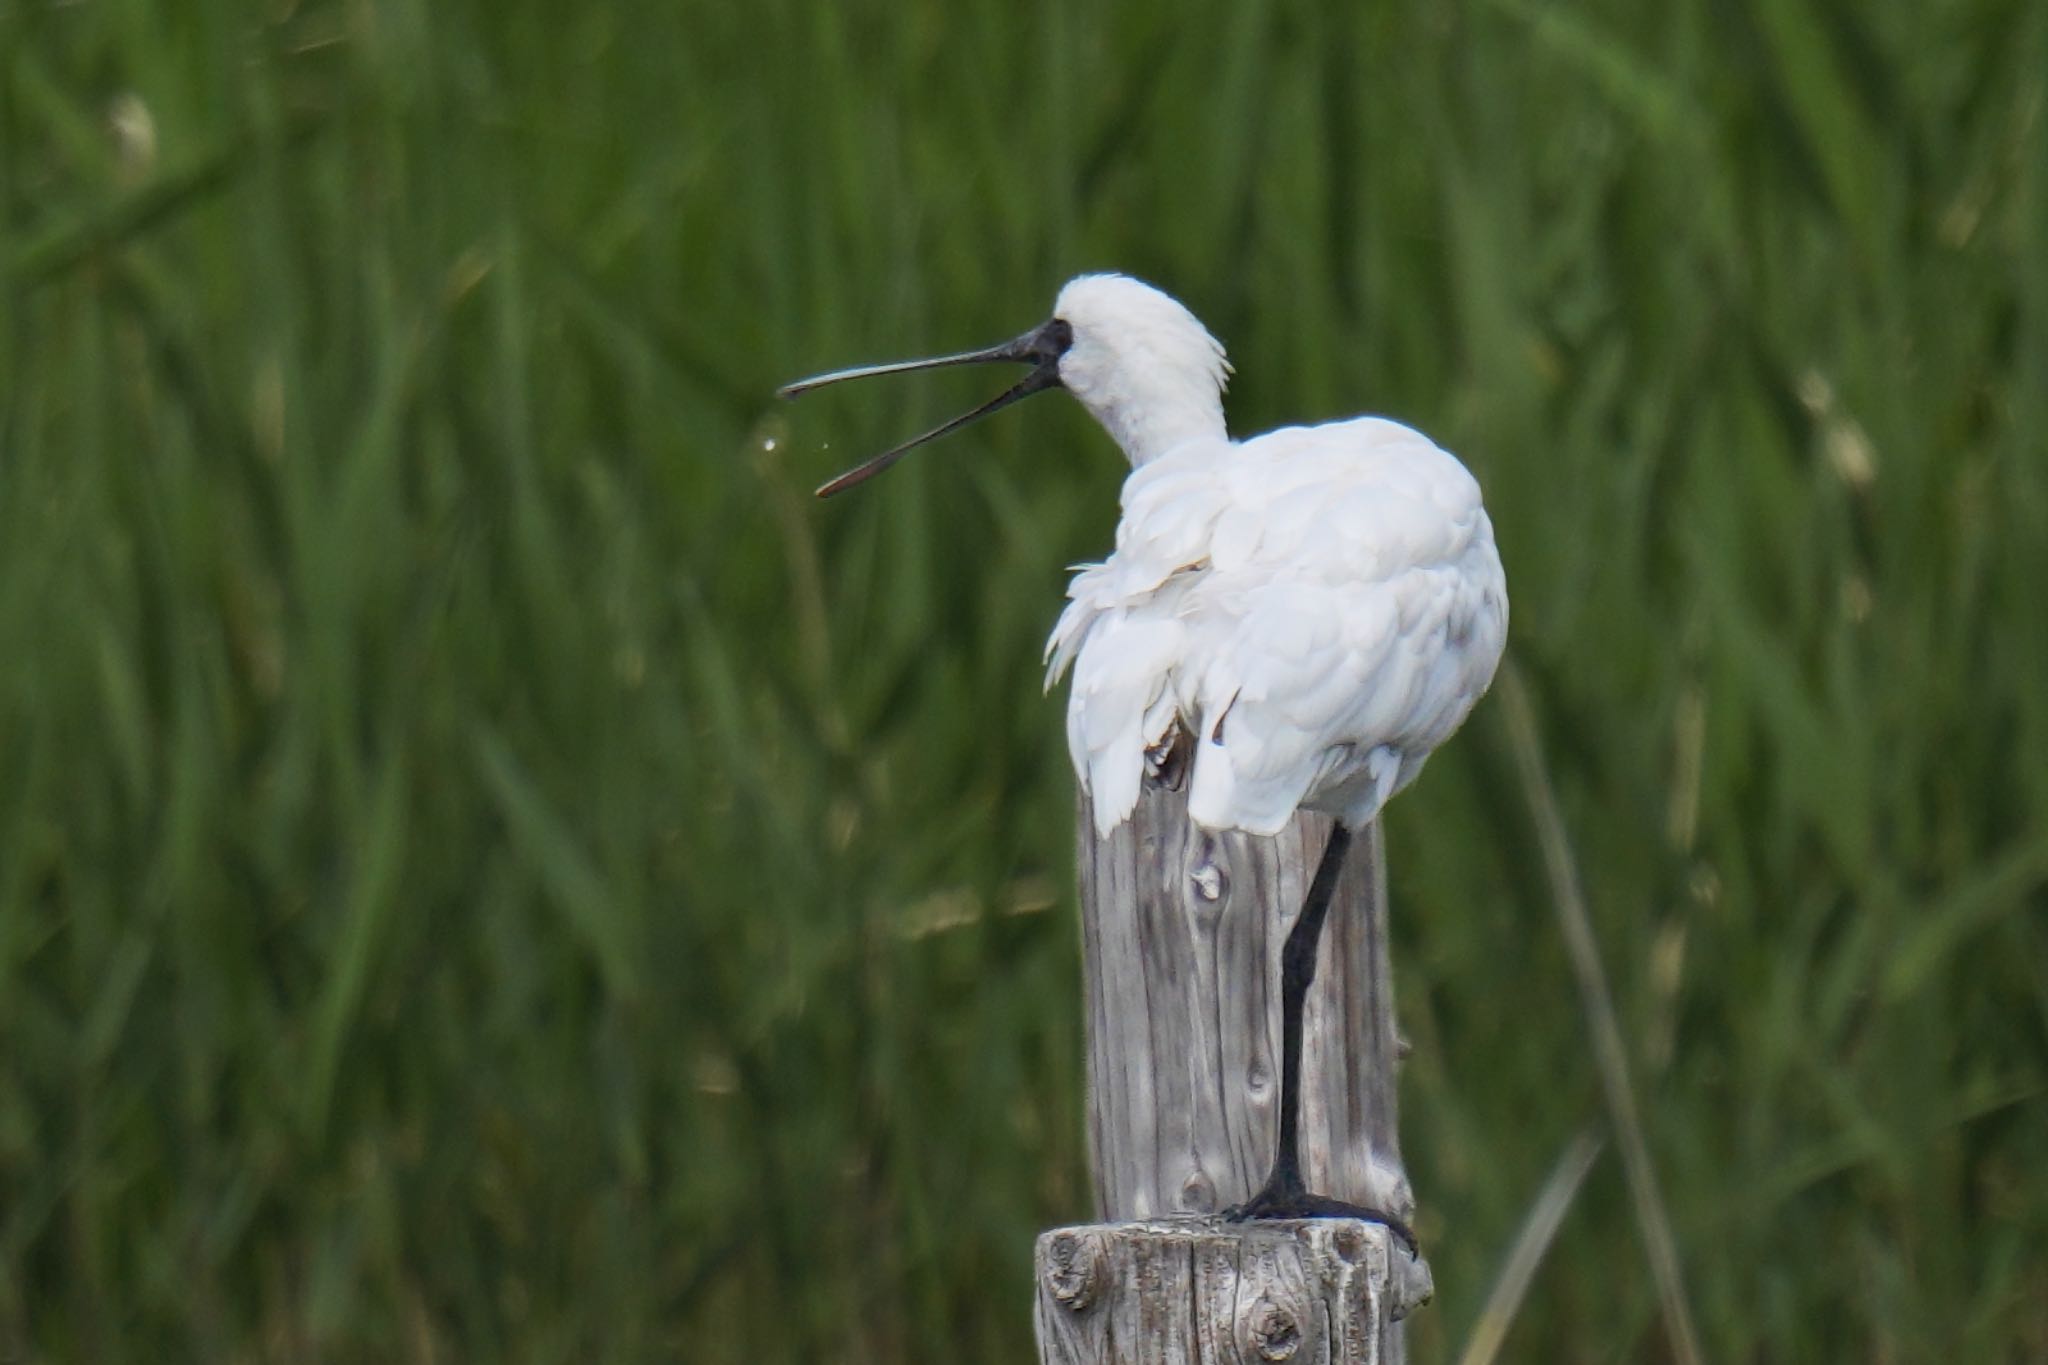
1123	631
1331	695
1353	612
1170	508
1322	605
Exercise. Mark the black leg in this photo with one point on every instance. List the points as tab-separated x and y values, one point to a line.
1297	974
1285	1194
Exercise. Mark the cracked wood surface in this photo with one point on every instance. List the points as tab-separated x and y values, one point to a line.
1181	937
1197	1291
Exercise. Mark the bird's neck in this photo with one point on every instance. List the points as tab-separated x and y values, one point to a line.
1148	424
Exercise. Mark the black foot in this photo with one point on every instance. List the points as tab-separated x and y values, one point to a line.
1272	1205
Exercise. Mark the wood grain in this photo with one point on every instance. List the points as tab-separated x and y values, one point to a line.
1193	1291
1181	935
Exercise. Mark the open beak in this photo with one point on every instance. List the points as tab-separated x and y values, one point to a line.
1040	348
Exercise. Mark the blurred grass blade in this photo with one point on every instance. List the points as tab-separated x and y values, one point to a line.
137	212
1825	109
1610	1056
116	997
541	840
1545	1216
1854	1147
372	895
2003	888
1650	97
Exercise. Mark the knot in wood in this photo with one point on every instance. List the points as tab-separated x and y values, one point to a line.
1273	1331
1073	1269
1208	873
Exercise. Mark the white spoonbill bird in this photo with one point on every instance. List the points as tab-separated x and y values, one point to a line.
1313	610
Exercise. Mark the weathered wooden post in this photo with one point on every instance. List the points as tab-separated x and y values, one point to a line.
1181	936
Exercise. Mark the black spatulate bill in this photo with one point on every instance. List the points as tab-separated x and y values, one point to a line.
1041	348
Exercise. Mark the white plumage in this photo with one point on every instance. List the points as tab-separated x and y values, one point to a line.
1317	609
1319	606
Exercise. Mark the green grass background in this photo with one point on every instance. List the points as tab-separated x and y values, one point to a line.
491	871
